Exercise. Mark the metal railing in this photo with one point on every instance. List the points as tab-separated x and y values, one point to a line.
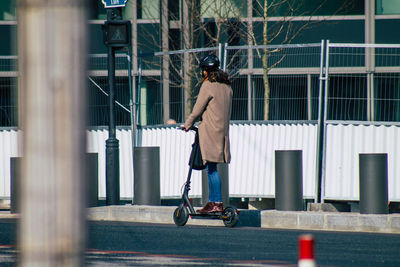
172	79
274	82
363	82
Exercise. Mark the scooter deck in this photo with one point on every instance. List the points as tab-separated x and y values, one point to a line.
208	216
217	215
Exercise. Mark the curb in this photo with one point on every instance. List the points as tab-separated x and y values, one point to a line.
331	221
299	220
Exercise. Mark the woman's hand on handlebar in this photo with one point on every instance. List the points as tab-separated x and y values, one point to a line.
193	128
182	127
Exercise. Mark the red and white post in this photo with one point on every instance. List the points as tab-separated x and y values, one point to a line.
306	251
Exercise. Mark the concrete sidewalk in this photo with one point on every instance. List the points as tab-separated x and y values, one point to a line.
306	220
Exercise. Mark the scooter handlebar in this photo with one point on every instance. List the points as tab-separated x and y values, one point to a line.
193	128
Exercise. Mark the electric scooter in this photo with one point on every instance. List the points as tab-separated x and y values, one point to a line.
230	215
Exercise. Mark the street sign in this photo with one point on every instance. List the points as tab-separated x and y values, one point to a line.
114	3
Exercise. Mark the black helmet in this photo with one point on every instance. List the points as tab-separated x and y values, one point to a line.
209	62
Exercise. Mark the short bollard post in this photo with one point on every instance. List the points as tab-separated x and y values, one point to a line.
15	164
373	183
288	180
91	187
92	174
147	176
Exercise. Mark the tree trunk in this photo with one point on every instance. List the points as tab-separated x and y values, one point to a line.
189	87
265	63
266	84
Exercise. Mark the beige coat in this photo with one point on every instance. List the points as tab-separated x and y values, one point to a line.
213	109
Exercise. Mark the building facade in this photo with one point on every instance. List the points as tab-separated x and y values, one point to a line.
165	25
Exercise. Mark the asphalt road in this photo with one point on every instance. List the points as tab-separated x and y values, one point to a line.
134	244
241	246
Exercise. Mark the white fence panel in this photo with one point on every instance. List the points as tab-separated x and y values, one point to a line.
96	143
344	144
252	170
175	146
8	149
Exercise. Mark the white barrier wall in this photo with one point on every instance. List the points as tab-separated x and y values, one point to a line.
8	149
344	144
251	171
96	143
175	147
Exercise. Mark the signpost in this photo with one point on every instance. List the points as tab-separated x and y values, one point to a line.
116	35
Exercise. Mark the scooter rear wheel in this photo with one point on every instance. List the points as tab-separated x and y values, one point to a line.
181	215
230	216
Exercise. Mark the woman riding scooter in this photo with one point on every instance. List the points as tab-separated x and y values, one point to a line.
213	111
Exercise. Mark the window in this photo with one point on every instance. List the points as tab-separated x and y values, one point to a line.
8	10
98	106
387	97
290	98
8	102
97	10
175	88
148	9
148	42
239	100
150	98
173	10
387	7
223	9
347	97
281	8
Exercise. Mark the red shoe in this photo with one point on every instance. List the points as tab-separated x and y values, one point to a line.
211	207
207	208
218	207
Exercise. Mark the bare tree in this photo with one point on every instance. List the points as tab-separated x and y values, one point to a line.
209	20
213	19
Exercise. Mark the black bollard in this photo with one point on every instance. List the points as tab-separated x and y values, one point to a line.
92	174
112	172
15	168
91	187
146	183
373	184
288	180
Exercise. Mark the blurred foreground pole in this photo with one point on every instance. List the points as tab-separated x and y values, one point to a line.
52	84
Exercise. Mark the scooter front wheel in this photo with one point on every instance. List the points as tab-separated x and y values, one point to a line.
181	215
230	216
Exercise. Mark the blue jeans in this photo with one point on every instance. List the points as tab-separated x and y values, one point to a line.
214	183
